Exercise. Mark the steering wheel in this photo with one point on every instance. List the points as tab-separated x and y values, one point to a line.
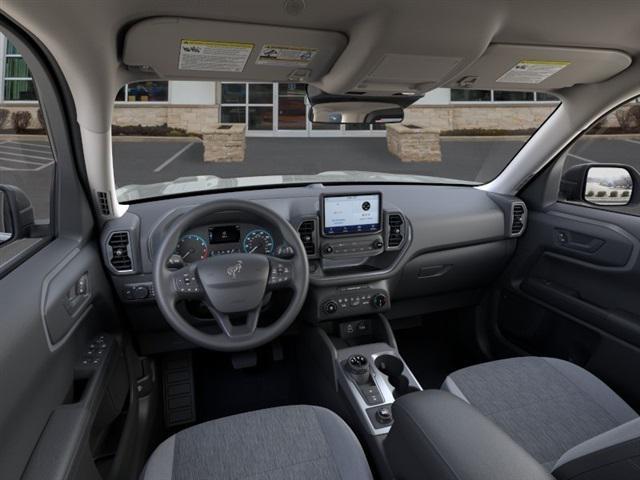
233	287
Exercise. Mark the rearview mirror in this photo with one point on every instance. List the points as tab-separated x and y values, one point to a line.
357	109
608	186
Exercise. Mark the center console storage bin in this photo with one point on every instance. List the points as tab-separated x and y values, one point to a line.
437	435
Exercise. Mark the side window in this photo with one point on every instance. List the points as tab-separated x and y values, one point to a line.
602	168
27	166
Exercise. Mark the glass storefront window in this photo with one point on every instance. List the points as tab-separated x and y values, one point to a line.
144	92
292	110
18	85
260	93
232	115
546	97
16	67
20	90
233	93
260	118
148	92
504	96
463	95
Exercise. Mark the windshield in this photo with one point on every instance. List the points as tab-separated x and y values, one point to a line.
176	137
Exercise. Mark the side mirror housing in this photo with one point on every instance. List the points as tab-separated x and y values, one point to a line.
16	214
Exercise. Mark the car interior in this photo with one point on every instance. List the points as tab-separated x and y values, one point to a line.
325	325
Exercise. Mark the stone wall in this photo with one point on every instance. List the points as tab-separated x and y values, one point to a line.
412	144
193	118
464	117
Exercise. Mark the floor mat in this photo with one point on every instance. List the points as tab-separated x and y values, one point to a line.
442	344
222	391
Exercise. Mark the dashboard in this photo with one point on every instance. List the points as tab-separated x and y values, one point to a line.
399	249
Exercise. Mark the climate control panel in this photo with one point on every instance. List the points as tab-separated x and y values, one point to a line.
362	246
352	301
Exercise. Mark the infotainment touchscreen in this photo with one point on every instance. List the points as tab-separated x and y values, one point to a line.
349	214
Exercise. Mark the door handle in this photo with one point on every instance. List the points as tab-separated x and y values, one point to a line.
77	295
578	241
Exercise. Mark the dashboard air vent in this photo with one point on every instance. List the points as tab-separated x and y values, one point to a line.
518	219
396	229
307	235
103	203
119	251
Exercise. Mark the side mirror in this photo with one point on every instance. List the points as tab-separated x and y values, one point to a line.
16	214
608	186
357	109
604	185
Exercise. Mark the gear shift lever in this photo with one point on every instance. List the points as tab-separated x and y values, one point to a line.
358	366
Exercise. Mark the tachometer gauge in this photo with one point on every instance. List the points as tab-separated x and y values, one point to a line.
258	241
191	248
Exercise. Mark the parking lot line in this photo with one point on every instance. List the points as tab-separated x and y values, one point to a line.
631	140
173	157
584	159
31	144
20	149
28	162
25	155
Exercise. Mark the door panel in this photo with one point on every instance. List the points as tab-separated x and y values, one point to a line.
571	292
38	375
58	400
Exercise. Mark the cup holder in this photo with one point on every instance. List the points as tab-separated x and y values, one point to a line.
393	367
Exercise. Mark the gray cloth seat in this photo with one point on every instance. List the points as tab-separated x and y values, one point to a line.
294	442
555	410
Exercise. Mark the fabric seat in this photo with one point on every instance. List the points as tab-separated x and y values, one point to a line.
294	442
547	406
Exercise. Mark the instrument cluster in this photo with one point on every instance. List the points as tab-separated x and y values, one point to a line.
209	241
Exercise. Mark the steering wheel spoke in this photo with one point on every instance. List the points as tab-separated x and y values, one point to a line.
235	330
281	274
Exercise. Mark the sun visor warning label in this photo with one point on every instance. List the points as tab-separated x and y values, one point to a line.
214	56
285	56
532	71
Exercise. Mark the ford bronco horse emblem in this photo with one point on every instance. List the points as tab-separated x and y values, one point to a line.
234	269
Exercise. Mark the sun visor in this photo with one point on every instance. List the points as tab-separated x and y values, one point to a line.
525	67
180	48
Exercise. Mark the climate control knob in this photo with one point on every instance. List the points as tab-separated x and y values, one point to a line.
379	300
377	244
330	307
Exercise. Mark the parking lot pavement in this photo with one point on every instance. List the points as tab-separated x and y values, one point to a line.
29	163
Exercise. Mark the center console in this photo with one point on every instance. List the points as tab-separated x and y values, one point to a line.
373	376
360	358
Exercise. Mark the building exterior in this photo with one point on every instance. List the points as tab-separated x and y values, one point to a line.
274	109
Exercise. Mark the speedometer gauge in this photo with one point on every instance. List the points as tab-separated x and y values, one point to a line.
192	247
258	241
